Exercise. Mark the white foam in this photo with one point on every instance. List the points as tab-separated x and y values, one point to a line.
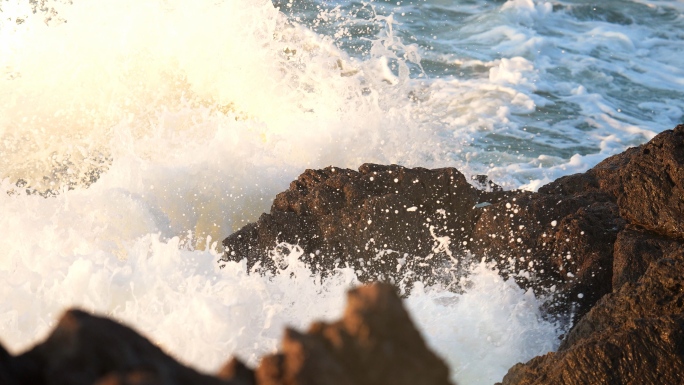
183	302
535	79
498	325
197	113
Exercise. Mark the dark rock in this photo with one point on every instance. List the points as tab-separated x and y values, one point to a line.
7	375
659	292
581	240
635	250
632	336
648	183
140	377
366	219
559	241
85	349
375	342
641	352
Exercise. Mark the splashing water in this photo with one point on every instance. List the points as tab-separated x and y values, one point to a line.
158	127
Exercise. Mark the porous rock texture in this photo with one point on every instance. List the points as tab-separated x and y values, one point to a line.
375	343
632	336
635	333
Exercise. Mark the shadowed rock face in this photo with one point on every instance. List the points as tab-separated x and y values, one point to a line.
7	374
85	349
375	343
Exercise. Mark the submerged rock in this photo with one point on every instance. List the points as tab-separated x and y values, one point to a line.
375	343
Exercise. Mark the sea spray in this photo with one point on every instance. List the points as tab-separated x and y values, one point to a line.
157	101
203	315
155	125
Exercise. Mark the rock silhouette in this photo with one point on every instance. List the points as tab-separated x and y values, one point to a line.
374	343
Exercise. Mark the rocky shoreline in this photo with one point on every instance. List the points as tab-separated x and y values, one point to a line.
606	247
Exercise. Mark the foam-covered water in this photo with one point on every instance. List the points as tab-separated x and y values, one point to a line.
136	134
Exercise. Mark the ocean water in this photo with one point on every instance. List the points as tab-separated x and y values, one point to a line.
135	135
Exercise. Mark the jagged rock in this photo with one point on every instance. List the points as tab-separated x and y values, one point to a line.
648	182
375	343
587	254
580	238
366	219
641	352
553	242
632	336
86	349
237	370
659	292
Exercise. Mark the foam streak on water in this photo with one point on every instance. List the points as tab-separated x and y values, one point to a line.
527	91
158	127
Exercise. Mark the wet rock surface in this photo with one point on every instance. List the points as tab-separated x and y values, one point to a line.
374	343
635	333
557	244
632	336
607	246
599	245
384	221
